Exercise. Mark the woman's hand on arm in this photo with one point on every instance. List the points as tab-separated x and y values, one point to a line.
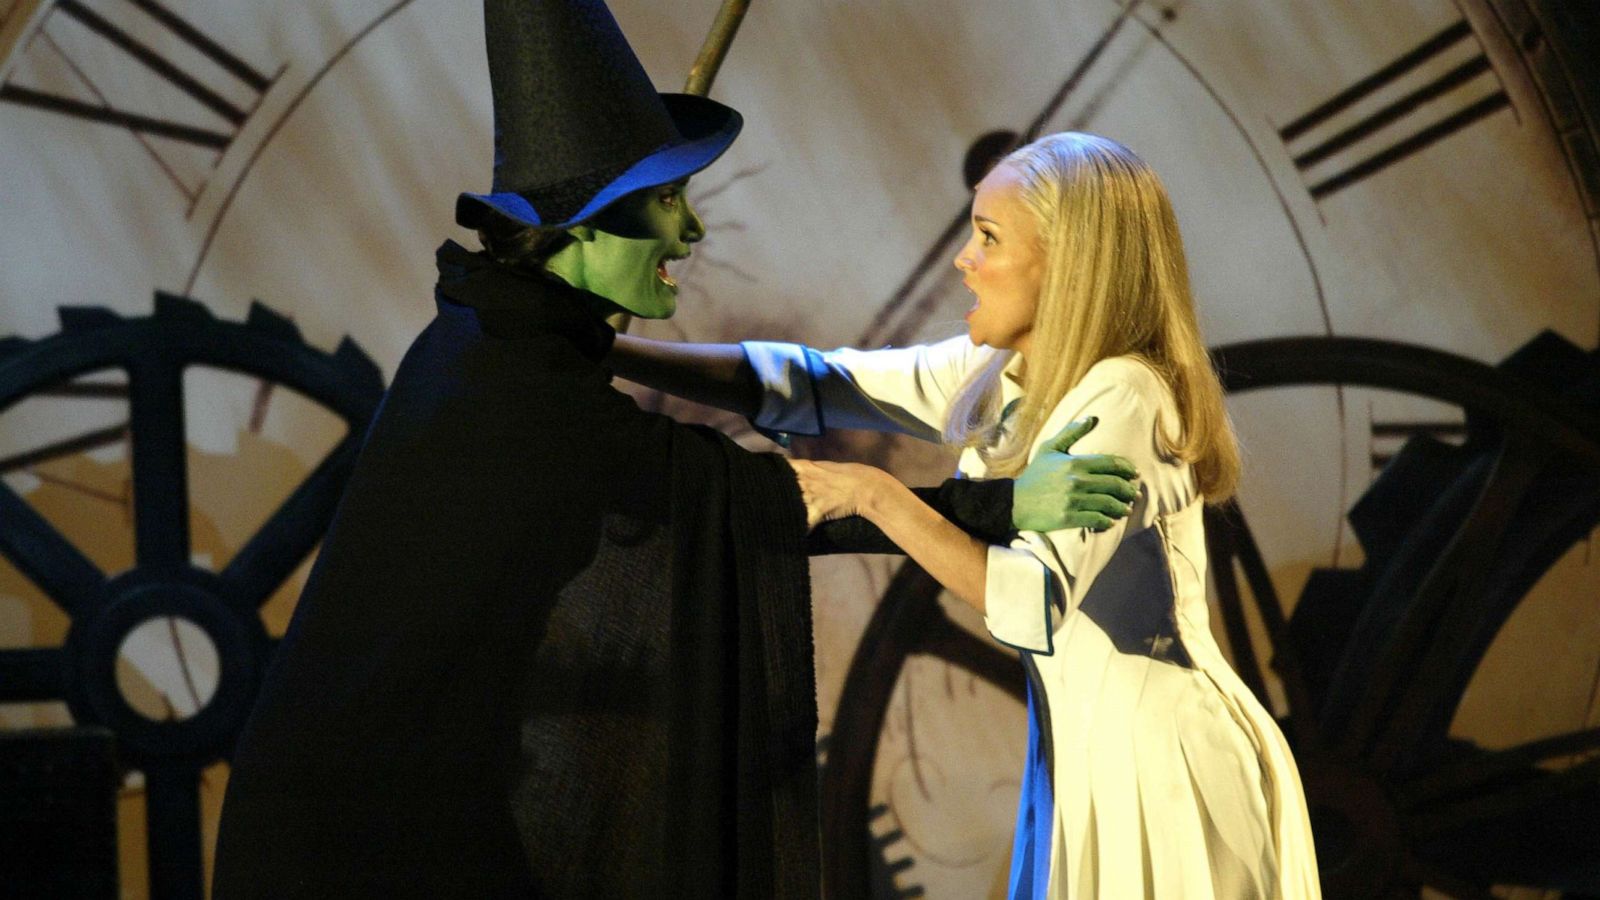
954	558
714	374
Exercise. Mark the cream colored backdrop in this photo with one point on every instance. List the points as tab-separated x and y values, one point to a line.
825	226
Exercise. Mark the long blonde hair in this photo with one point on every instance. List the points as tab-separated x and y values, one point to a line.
1115	283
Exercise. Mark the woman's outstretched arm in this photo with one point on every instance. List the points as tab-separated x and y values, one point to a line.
953	557
791	388
714	374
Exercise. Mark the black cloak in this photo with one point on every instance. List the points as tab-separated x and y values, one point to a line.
553	646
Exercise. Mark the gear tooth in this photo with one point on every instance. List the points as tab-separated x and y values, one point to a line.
86	318
357	364
175	306
1553	362
12	344
270	322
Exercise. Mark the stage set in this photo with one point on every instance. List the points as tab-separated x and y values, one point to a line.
555	644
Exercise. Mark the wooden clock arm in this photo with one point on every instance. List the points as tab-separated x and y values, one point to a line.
715	49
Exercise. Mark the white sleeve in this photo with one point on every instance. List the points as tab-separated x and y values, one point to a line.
901	389
1032	585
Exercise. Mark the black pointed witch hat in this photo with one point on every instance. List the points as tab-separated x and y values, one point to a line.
577	123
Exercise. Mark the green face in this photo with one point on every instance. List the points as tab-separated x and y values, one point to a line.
622	254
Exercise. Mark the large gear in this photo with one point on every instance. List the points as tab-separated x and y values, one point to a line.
1374	660
104	607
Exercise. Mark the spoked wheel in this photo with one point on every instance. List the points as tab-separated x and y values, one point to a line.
105	608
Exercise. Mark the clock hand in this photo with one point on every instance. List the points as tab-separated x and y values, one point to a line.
15	24
284	326
715	49
879	331
1079	72
258	407
91	440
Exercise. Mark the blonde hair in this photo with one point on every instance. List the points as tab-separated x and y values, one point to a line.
1115	283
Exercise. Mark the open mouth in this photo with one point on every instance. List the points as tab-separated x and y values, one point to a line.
661	273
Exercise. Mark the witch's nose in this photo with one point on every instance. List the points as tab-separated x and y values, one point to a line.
694	229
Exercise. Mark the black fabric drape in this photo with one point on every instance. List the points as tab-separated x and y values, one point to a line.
554	646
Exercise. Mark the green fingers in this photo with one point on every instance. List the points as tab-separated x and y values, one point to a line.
1060	490
1109	465
1108	485
1074	432
1090	463
1098	503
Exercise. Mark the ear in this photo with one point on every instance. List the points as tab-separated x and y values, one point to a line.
584	233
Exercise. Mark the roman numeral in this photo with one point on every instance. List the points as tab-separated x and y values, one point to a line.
210	99
1389	437
1459	89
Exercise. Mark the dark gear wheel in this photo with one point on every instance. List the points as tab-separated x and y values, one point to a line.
1374	660
154	352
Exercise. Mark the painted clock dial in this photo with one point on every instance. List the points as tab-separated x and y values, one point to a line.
1416	170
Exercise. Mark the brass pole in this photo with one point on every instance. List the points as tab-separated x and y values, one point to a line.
16	24
715	48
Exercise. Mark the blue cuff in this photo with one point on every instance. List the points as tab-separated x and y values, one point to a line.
789	401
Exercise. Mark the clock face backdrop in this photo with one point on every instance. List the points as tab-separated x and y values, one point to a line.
1418	171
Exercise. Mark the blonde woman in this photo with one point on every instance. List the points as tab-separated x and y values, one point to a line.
1151	770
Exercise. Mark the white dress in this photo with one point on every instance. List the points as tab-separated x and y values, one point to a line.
1152	769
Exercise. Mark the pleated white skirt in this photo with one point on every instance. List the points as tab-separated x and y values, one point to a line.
1167	777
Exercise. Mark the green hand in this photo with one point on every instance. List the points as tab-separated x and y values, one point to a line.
1058	490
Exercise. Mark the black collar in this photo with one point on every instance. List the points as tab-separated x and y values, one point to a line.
514	304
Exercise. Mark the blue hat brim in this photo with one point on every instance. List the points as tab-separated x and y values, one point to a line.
707	127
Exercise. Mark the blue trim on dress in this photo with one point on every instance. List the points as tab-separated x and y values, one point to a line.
1036	808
